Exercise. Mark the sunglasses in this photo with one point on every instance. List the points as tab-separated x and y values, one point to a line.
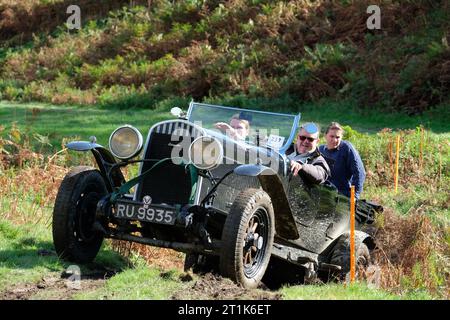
303	138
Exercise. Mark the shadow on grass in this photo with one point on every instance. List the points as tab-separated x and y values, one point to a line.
29	253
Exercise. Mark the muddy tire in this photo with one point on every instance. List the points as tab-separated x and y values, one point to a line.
74	238
341	256
247	238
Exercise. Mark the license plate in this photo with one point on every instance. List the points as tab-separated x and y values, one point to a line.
146	213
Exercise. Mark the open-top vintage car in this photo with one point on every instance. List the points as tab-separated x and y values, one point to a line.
232	203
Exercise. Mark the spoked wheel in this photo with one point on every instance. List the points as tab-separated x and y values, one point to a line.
255	235
248	238
74	236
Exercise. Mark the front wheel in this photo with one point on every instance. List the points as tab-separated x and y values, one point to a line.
247	238
74	237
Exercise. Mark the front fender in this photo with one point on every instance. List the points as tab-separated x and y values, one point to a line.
253	170
285	225
82	145
105	160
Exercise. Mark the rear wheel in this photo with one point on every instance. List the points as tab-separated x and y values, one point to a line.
74	215
341	256
247	238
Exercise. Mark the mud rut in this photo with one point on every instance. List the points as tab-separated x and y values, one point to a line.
56	286
208	286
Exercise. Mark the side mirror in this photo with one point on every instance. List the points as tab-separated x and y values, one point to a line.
177	112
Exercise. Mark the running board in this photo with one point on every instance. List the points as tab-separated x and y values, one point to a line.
212	248
329	267
294	255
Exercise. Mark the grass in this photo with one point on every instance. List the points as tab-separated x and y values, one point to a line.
139	283
430	200
25	232
356	291
26	255
77	123
59	122
21	264
371	120
19	261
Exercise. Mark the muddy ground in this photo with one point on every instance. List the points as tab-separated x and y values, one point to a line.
61	285
57	286
213	286
208	286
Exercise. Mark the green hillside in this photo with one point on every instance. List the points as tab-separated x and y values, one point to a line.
135	53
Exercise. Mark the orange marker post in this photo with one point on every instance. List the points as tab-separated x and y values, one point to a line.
352	234
421	148
397	157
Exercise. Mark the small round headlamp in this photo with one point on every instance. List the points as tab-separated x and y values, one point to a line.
125	142
205	153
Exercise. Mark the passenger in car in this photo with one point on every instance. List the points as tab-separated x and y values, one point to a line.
346	166
238	128
306	160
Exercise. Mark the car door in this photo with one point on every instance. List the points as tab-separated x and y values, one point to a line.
314	210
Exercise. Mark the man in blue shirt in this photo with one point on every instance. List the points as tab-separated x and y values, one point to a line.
344	161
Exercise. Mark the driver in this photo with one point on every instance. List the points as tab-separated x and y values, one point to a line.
306	160
238	128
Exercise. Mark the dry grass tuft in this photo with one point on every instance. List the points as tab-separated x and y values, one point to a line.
412	254
159	257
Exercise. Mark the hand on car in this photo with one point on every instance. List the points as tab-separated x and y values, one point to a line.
295	167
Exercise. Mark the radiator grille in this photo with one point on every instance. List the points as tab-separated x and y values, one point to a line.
168	183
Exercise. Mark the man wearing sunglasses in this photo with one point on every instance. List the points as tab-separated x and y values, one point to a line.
306	160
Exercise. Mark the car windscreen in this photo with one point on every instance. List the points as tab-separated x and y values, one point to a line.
276	130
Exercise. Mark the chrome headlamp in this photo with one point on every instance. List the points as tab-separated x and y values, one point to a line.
205	153
125	142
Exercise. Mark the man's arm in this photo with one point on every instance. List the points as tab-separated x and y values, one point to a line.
357	169
225	128
316	172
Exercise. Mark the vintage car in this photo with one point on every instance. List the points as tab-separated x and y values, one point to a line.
221	200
